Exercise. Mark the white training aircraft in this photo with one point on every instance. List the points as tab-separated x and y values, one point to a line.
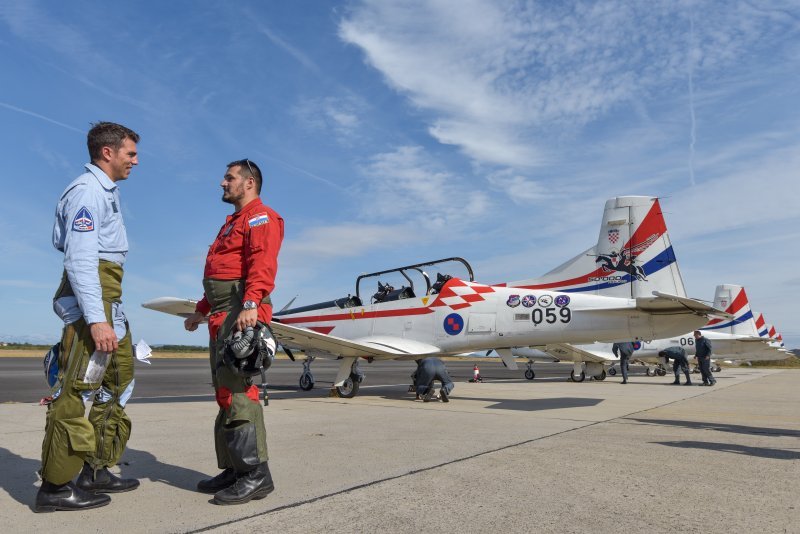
734	339
632	258
454	316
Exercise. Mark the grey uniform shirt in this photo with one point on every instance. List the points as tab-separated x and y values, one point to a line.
88	227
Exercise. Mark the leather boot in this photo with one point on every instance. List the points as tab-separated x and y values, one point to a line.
219	482
103	481
255	484
66	497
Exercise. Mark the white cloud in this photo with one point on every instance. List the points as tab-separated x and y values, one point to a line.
340	117
503	80
407	184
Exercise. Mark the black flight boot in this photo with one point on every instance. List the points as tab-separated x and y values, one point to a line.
219	482
104	481
688	380
677	382
52	497
255	484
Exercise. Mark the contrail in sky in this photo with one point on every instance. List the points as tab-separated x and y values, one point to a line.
692	135
32	114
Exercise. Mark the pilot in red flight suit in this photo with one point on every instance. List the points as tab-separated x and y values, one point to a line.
239	276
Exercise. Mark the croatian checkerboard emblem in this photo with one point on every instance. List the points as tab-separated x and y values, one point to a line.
613	235
453	324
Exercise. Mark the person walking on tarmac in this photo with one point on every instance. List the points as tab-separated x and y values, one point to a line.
429	370
239	276
679	363
95	353
623	351
702	352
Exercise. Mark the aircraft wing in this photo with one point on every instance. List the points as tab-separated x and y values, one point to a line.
666	304
567	351
172	305
294	337
378	347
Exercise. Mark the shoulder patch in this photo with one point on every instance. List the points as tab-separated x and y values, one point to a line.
83	221
258	220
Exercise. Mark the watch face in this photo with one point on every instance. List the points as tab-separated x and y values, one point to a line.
249	305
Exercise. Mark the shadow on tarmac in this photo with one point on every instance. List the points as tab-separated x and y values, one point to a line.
143	464
19	477
722	427
761	452
20	474
531	405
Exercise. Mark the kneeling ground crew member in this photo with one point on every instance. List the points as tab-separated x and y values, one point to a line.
428	370
90	232
679	363
239	275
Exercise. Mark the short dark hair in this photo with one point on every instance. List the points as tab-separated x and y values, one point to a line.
248	168
107	134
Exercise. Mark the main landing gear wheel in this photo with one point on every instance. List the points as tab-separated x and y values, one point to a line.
580	378
306	382
717	369
349	389
612	372
601	376
650	372
661	372
529	374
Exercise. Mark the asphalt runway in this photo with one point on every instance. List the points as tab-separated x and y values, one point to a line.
507	455
176	379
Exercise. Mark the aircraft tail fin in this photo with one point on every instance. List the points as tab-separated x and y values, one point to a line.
632	258
733	299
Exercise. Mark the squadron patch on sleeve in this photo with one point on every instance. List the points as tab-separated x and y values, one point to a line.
83	221
258	220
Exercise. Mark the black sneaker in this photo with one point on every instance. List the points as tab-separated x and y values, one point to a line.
443	395
428	395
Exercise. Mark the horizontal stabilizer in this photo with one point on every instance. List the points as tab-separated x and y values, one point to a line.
666	304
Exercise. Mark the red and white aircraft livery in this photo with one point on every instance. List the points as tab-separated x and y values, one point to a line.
454	316
633	256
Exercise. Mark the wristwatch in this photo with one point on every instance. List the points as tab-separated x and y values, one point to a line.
249	305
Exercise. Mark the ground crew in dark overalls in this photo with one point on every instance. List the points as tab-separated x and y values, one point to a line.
702	351
623	351
428	370
95	353
679	363
239	276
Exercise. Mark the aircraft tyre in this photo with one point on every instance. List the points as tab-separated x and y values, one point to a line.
650	372
306	382
580	378
601	376
529	374
612	372
661	372
349	389
717	369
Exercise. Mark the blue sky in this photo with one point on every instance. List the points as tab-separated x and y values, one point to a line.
397	132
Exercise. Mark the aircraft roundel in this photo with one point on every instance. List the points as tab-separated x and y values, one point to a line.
453	324
637	345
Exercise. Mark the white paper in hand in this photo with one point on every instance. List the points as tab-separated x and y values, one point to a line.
143	351
96	368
